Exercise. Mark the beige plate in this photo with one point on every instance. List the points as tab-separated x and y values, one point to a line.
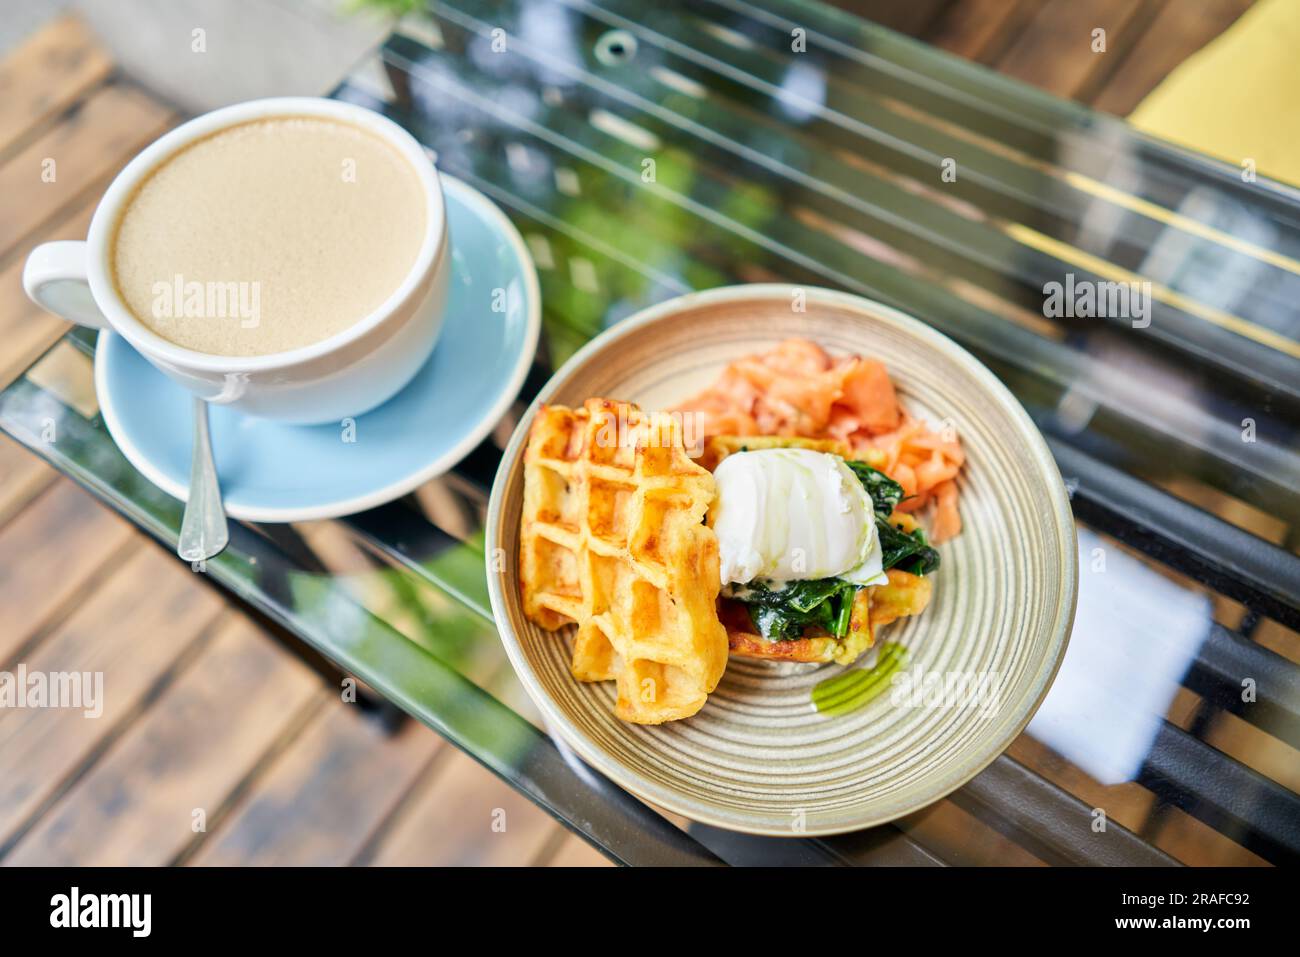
760	757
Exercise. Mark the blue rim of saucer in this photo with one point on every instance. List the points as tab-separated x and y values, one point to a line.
273	472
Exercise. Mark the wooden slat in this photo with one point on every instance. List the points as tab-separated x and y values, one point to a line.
980	30
958	838
193	747
27	330
1278	638
132	630
105	131
22	477
1055	50
1255	748
332	788
450	816
48	554
1197	844
1127	804
47	74
1179	30
911	18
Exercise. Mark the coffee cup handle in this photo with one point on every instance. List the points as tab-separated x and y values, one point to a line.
55	278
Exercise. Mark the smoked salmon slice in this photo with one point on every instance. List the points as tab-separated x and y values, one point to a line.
797	389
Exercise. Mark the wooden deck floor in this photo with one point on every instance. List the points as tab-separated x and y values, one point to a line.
216	745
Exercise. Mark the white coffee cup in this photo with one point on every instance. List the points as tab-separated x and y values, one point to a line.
341	376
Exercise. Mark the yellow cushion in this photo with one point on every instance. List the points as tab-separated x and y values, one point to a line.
1234	99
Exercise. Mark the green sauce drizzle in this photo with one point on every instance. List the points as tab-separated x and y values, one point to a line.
855	689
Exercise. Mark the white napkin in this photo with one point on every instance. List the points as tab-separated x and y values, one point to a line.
1135	634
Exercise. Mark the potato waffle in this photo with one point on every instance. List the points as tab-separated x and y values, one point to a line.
875	606
613	538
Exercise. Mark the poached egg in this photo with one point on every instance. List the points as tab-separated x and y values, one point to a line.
791	514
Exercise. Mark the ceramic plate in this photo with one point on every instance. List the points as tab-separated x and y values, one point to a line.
272	472
763	756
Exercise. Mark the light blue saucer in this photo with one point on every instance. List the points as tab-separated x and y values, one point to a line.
272	472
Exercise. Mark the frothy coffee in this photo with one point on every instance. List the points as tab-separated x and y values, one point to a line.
268	236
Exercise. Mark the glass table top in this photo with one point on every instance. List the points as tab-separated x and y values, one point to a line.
644	151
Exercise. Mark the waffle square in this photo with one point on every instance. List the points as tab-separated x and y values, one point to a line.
613	538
